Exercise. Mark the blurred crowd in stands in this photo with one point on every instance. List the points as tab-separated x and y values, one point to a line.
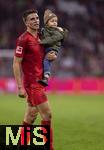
82	53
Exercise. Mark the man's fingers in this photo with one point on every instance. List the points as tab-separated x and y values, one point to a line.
51	55
21	95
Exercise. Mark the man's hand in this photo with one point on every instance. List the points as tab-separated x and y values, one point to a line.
21	92
51	55
39	40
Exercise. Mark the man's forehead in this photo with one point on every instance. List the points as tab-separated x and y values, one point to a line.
32	15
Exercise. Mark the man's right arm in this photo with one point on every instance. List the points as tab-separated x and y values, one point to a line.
18	77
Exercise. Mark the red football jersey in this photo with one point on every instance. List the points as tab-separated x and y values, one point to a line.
32	52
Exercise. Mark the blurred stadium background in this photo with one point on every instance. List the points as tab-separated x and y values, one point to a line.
76	87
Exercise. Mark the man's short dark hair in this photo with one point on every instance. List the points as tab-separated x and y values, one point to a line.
28	12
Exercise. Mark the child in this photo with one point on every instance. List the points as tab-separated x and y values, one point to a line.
52	37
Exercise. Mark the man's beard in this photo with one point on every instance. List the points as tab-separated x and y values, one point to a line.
35	28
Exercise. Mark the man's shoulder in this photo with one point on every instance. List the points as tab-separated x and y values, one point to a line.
23	36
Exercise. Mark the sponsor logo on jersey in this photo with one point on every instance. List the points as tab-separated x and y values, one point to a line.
19	50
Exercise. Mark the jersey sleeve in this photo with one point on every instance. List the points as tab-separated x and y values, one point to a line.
20	48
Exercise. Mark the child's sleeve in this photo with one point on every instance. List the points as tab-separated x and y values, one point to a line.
55	37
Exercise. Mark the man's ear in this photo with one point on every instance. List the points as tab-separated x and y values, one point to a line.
25	22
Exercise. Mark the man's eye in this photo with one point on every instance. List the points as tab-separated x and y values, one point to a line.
32	19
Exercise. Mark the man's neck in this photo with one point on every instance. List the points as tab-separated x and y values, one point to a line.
33	32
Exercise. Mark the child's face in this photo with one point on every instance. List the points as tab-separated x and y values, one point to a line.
53	22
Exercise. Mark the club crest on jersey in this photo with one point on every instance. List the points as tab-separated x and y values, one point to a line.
19	50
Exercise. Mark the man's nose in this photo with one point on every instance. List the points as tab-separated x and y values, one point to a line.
36	21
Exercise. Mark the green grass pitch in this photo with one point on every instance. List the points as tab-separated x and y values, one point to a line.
78	120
